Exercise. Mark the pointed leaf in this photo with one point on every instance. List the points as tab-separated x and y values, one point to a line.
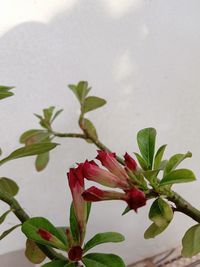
102	260
7	232
174	161
33	253
29	150
4	215
141	161
81	90
101	238
178	176
146	142
92	103
42	161
57	113
9	186
158	157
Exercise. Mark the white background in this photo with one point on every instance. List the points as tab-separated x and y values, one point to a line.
143	57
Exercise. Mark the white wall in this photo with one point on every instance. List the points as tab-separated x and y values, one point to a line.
142	56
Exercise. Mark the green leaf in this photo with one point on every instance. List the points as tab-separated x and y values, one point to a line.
57	263
89	206
29	150
153	231
41	161
101	238
191	242
158	157
102	260
174	161
4	215
7	232
9	186
30	229
93	102
178	176
81	90
48	113
33	253
146	142
33	136
141	161
57	113
127	209
150	175
5	92
160	212
89	127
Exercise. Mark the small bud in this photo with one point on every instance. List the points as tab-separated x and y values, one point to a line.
45	234
130	162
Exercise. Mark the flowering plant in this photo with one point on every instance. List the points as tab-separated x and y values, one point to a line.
134	179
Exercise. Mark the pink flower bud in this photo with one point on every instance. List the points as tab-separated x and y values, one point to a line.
75	253
44	234
92	172
94	194
108	160
135	198
130	162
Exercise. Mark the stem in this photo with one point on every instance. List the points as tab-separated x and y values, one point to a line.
23	216
184	206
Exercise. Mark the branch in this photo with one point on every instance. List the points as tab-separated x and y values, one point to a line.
23	216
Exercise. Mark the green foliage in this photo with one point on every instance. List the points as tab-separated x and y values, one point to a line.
93	102
33	253
161	214
33	136
191	242
29	150
101	238
58	263
41	161
30	229
146	142
102	260
178	176
158	157
5	91
174	161
4	215
7	232
8	186
141	161
89	103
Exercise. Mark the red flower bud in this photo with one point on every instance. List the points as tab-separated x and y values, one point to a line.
130	162
75	253
92	172
45	234
108	160
135	198
76	184
94	194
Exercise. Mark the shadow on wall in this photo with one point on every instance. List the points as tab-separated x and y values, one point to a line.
16	259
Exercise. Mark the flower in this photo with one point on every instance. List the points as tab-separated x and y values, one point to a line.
108	160
75	253
76	184
94	194
93	172
130	162
133	197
